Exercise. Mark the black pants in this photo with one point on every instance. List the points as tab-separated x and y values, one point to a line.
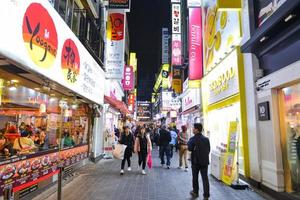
123	162
142	159
204	176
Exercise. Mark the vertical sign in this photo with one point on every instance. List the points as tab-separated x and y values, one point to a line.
131	102
176	49
115	45
165	46
1	87
176	81
195	44
176	19
128	78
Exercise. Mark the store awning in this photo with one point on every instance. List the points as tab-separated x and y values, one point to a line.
115	103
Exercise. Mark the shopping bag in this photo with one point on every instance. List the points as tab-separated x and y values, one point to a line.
149	160
119	151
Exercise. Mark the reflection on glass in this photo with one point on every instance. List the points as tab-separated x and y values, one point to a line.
291	112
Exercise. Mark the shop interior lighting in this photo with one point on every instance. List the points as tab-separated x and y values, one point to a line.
12	86
288	18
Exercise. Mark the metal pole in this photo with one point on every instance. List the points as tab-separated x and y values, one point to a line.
59	186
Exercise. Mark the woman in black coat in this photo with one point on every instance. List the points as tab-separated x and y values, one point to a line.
128	140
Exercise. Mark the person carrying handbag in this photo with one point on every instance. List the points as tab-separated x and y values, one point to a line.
128	140
143	147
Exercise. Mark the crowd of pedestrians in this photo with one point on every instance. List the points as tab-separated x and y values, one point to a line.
140	140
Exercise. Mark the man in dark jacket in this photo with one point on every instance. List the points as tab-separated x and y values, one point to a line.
164	146
200	148
128	140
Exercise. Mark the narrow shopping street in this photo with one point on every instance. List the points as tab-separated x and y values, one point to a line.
103	182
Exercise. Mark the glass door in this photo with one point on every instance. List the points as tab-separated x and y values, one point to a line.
289	113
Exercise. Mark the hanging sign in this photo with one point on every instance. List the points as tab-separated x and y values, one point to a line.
119	4
115	45
176	49
176	19
128	81
165	46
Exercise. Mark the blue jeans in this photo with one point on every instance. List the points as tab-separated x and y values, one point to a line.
165	150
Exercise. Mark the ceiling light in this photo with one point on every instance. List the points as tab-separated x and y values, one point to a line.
37	89
263	39
52	95
288	18
14	81
12	88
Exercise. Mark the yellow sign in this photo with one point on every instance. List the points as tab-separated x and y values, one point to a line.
133	61
222	31
229	168
177	85
229	4
194	83
221	83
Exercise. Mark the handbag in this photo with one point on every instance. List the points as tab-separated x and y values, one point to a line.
149	160
119	151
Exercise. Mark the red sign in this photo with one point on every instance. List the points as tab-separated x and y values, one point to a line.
131	102
39	35
70	61
128	81
195	44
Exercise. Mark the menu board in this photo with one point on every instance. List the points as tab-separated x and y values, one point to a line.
28	169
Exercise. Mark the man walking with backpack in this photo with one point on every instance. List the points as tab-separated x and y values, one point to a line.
200	147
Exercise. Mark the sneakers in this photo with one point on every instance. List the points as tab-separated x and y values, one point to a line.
162	165
168	167
194	194
121	172
186	169
179	167
143	172
129	169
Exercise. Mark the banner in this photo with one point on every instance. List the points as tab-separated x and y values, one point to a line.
195	44
165	46
47	46
176	19
115	45
131	102
176	49
119	4
128	81
229	169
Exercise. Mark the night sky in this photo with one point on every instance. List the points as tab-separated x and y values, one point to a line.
145	22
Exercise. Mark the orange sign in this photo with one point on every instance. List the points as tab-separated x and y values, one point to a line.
39	35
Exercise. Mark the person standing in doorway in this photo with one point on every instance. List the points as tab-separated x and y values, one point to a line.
164	146
128	140
183	148
143	146
199	145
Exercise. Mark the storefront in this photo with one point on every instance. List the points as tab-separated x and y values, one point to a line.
277	90
51	97
191	106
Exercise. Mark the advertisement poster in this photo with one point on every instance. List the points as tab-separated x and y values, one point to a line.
176	79
115	45
195	44
221	33
48	47
31	169
229	168
176	49
144	111
128	81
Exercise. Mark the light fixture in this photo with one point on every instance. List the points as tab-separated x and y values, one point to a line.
14	81
37	89
52	99
12	85
52	95
263	39
288	18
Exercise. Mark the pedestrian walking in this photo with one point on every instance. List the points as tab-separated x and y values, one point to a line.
183	148
142	146
173	141
164	146
200	147
127	139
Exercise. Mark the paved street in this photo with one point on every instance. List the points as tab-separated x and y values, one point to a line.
103	182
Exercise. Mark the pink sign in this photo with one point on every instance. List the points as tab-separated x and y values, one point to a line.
195	44
128	81
176	49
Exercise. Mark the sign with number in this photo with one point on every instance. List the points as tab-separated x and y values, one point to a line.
264	111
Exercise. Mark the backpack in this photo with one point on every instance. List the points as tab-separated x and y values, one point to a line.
200	154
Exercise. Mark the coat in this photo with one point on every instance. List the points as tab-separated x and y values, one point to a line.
137	144
200	147
129	141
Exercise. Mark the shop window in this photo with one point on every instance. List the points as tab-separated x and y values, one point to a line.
76	20
218	130
290	136
62	8
34	121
